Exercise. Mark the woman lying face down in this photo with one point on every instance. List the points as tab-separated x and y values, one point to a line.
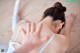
53	21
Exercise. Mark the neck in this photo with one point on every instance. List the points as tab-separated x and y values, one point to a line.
47	23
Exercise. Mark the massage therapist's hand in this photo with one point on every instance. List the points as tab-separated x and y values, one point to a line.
32	38
32	35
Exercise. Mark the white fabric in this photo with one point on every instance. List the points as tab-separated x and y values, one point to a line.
14	23
15	15
11	47
11	43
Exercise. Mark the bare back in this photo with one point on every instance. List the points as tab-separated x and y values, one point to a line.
58	45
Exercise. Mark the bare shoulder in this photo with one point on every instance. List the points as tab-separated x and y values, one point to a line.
62	37
63	40
22	22
18	26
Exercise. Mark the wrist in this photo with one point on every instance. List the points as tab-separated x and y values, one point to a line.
68	24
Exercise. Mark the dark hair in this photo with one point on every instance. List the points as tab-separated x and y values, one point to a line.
56	12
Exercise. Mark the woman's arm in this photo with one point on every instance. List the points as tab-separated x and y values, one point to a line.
68	25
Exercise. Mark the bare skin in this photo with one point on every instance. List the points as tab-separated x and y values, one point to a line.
60	42
33	39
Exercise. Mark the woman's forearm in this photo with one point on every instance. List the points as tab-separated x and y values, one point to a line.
67	29
69	22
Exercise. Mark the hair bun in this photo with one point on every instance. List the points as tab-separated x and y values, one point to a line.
59	6
63	9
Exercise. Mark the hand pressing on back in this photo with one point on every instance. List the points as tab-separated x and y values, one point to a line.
32	39
32	35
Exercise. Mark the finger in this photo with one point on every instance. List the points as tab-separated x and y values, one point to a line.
24	31
28	28
74	16
39	28
32	27
71	15
45	39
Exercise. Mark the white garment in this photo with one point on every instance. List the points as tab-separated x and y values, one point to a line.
11	47
11	43
15	19
14	23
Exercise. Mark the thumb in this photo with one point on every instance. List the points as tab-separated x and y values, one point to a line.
45	39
